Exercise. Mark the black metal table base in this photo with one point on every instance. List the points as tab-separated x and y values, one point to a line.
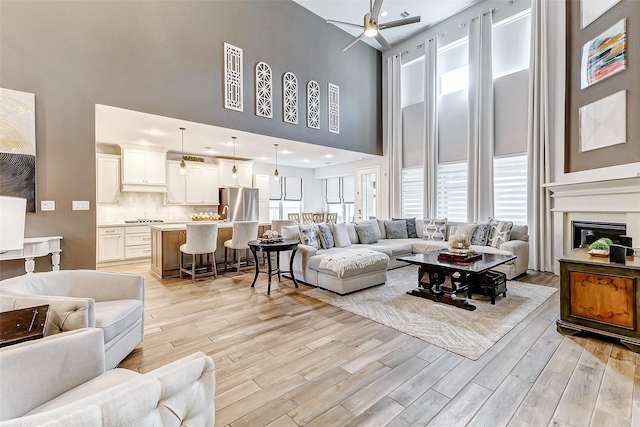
436	292
268	249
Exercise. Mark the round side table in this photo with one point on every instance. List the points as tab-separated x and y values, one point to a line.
268	248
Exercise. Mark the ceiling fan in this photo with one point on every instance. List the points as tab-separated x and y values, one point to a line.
372	28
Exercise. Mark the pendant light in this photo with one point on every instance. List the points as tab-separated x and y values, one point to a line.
234	169
183	165
275	172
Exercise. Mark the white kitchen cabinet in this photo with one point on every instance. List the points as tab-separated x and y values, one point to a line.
199	187
262	182
175	184
143	170
243	174
137	242
108	178
110	244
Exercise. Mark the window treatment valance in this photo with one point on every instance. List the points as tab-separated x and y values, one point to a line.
292	188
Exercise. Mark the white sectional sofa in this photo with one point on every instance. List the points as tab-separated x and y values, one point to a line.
61	380
306	264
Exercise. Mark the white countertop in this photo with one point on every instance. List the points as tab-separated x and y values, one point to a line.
183	226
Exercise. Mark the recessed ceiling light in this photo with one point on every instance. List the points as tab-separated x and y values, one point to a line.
211	151
228	144
328	156
285	152
305	161
263	158
143	142
383	14
155	132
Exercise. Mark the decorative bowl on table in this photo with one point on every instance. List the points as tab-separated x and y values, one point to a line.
270	239
599	253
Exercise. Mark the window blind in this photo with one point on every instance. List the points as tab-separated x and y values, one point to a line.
511	106
348	189
292	188
452	191
413	135
510	188
333	190
275	189
412	192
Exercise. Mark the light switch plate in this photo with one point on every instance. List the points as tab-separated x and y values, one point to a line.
82	205
47	205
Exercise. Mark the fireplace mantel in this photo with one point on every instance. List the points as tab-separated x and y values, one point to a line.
605	200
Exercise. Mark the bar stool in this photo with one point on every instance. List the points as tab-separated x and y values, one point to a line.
202	238
243	232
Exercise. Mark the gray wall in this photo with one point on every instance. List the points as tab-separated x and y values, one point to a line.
165	58
625	80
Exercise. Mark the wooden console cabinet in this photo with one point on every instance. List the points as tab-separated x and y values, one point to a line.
600	297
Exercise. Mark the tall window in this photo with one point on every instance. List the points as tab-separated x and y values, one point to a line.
339	192
510	188
285	198
412	192
452	191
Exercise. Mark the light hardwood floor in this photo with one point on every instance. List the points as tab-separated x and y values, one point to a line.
290	360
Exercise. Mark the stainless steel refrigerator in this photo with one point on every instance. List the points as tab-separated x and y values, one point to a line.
242	204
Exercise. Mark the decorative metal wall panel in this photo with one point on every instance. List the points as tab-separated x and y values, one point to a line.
264	90
290	98
313	104
232	77
334	108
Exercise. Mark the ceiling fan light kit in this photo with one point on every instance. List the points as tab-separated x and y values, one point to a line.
371	27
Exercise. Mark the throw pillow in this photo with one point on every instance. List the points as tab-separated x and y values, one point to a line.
309	235
396	229
435	229
412	231
520	232
500	232
480	235
340	235
326	237
469	228
353	236
366	233
374	225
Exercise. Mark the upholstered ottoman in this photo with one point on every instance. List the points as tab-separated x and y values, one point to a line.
346	270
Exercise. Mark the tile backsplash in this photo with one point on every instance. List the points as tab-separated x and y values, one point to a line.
146	206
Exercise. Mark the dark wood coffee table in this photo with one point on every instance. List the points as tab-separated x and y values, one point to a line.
277	247
24	324
445	279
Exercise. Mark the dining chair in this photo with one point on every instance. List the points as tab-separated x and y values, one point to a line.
295	217
307	217
202	239
319	217
332	218
243	232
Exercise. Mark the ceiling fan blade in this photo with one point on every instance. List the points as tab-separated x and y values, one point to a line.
383	42
353	42
375	10
399	22
331	21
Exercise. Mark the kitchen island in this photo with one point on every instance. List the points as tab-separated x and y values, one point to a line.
167	238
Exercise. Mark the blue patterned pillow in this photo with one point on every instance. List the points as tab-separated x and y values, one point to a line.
396	229
326	236
480	235
412	231
309	235
366	234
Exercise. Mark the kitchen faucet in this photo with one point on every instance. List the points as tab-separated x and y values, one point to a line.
225	210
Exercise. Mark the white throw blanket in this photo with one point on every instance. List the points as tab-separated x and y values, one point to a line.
347	259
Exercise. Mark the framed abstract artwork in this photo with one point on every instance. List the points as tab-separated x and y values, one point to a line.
18	145
590	10
605	55
604	122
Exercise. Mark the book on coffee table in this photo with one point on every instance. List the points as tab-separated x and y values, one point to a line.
449	256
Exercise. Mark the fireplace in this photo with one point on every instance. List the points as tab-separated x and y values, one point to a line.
587	231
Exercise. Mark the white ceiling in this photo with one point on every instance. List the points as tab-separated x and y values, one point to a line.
120	126
430	11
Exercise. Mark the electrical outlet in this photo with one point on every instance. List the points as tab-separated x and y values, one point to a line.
82	205
47	205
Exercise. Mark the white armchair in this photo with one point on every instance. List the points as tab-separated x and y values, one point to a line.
78	299
61	381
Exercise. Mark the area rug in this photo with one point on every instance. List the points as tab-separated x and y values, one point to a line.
467	333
